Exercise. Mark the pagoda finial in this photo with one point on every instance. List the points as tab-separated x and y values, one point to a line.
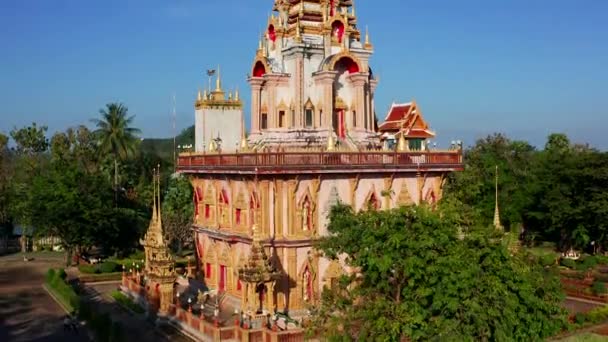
497	224
353	9
301	8
205	95
218	81
154	217
367	41
331	143
199	96
236	94
298	35
230	95
260	47
402	144
159	215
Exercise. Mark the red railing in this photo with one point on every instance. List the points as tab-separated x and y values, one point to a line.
319	160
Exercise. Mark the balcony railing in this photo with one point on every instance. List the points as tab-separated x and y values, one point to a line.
317	160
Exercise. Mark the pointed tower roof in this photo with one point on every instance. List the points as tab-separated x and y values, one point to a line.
259	268
497	224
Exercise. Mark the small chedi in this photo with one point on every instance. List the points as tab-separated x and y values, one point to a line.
159	271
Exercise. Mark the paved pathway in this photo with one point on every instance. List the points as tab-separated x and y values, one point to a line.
27	312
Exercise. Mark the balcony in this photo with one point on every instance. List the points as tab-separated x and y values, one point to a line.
316	162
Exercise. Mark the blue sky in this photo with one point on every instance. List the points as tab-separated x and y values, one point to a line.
522	67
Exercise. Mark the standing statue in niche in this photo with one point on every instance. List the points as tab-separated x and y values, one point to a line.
306	216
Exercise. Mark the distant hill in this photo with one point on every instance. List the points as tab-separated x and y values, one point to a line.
164	147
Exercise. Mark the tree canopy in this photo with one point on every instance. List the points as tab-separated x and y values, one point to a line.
417	277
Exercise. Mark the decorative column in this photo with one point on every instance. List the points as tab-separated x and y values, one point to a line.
325	80
256	100
358	81
292	273
372	89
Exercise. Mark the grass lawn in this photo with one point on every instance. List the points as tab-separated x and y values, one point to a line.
542	251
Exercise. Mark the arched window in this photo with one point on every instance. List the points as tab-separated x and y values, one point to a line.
224	207
337	30
272	35
348	64
259	69
373	202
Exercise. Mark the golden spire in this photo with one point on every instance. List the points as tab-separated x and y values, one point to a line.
260	47
206	95
244	142
159	215
230	96
199	96
301	8
353	8
402	146
298	36
331	143
497	224
218	81
366	35
236	94
154	217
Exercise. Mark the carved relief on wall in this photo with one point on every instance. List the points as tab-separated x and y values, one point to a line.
430	197
334	199
372	200
209	204
404	198
241	210
306	281
305	216
332	275
224	269
223	208
198	203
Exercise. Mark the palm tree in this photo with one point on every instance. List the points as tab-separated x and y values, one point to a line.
115	135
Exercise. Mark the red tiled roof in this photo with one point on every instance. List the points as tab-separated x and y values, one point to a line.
406	117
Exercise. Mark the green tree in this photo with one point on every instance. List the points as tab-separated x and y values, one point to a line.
5	176
569	201
418	277
475	186
30	160
178	212
115	134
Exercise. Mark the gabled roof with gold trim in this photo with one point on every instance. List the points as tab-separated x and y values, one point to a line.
408	118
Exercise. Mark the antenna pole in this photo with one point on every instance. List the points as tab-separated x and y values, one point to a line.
174	115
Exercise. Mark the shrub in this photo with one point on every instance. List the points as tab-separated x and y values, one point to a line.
580	318
109	267
587	262
62	275
598	288
139	255
88	269
50	275
571	264
598	314
125	301
547	260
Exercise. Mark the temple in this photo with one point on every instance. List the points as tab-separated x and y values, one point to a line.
314	142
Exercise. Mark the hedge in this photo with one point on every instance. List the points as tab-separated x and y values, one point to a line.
125	301
95	278
100	324
105	267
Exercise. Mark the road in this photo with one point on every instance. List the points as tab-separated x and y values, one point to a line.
27	312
